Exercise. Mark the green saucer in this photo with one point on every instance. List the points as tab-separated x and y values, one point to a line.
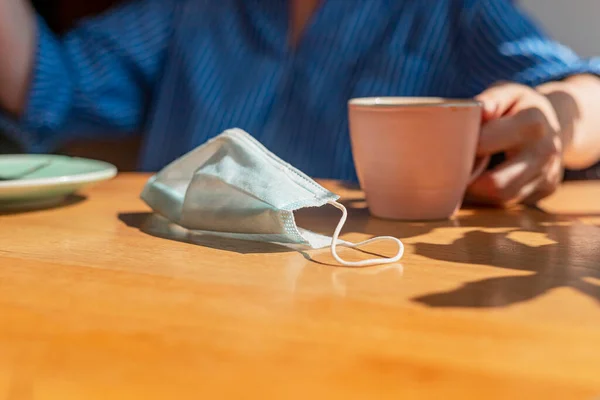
42	180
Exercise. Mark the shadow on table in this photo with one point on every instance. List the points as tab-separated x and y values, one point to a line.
323	220
568	257
157	226
557	251
524	218
68	201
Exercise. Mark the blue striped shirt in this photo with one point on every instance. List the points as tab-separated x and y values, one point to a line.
182	71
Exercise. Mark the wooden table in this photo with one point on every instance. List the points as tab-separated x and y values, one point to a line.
99	300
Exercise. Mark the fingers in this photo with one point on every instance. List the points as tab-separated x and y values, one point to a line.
521	123
512	132
515	173
549	184
543	190
499	99
525	175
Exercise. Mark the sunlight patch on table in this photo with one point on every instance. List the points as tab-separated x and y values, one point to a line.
556	224
590	220
449	235
531	239
592	280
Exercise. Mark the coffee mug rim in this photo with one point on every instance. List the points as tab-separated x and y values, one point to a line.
398	102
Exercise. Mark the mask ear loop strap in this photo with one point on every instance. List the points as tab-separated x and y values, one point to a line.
364	263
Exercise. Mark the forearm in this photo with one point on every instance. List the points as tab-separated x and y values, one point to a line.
17	53
576	101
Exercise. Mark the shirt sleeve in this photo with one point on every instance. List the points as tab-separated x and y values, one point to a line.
502	43
95	79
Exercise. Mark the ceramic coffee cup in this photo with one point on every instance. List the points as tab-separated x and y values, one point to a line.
415	157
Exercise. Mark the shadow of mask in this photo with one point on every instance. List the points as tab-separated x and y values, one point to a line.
160	227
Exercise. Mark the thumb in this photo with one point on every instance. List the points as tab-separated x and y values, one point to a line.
499	99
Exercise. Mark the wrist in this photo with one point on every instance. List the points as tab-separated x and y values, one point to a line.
575	101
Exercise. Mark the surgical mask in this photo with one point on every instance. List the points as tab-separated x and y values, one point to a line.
233	187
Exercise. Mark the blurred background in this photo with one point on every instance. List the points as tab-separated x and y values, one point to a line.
61	15
573	22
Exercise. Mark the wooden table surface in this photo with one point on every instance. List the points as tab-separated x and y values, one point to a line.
100	300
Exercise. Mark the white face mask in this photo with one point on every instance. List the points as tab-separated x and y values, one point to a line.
232	186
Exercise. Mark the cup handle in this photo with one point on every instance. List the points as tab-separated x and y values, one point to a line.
479	168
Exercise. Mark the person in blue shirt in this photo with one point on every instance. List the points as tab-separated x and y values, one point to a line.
182	71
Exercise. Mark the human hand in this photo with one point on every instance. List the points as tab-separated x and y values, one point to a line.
521	123
17	39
